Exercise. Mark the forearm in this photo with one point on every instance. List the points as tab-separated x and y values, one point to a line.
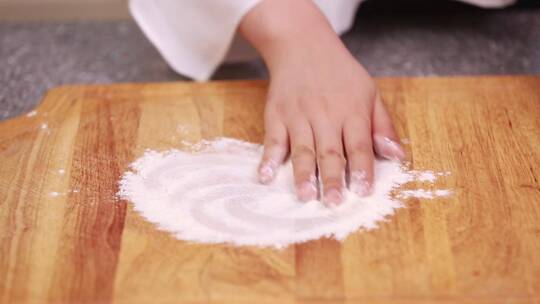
278	27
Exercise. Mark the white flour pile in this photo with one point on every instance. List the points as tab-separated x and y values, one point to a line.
211	195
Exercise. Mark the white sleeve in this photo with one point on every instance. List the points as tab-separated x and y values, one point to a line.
196	36
490	3
193	36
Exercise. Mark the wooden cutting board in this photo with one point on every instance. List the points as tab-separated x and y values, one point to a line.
65	237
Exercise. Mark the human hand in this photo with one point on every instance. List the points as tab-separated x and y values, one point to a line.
324	110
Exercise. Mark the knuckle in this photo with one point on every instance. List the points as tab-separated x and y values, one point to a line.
330	153
280	108
365	117
375	91
302	151
362	115
269	115
275	108
371	87
274	142
303	175
359	149
332	182
304	102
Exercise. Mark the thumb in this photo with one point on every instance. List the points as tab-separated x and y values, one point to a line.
385	140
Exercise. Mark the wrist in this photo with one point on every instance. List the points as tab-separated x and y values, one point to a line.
283	29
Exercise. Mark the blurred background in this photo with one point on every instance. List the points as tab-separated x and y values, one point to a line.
46	43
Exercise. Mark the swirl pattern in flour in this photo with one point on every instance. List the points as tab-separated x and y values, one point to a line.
212	196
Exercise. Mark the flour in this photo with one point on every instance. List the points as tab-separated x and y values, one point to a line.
210	194
427	176
423	193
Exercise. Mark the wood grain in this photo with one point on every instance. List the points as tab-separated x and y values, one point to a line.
66	238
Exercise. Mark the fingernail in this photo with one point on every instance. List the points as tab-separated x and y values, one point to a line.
389	149
307	191
267	172
359	184
333	197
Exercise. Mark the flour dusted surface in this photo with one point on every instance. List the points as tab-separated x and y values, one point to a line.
211	195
